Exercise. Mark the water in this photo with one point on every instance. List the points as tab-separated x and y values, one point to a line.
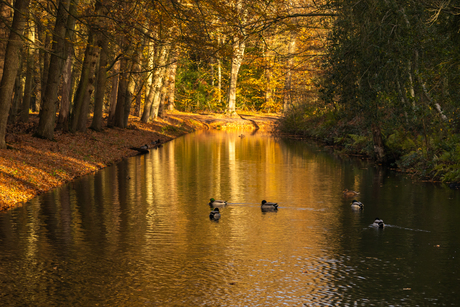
138	233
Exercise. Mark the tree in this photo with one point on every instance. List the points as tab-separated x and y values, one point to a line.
11	66
48	112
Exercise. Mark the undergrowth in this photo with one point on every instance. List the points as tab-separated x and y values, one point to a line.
433	156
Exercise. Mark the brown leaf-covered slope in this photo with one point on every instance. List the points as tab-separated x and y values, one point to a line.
32	165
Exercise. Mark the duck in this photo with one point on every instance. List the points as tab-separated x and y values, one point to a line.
142	150
268	206
217	203
357	204
241	135
378	223
157	142
215	214
347	193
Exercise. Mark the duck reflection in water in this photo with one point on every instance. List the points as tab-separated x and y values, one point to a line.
215	214
349	193
268	206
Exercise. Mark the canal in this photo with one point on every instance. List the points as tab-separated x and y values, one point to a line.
138	233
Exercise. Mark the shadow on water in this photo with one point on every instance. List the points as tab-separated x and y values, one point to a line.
138	233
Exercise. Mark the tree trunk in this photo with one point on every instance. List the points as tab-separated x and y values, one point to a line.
79	117
287	99
219	81
29	75
11	67
100	87
379	148
268	72
6	16
163	93
66	94
45	59
48	111
121	97
135	68
237	59
17	94
64	111
113	95
172	79
152	102
157	97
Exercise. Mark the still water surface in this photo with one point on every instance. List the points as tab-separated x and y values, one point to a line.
138	233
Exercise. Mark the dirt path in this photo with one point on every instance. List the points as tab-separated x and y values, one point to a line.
32	166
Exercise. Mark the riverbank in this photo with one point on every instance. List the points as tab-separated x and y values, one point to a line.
432	156
32	166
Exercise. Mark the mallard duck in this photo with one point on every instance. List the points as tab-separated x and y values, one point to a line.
378	223
142	150
215	214
347	193
217	203
268	206
357	204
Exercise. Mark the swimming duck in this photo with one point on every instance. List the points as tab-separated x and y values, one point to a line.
357	204
144	147
215	214
266	206
217	203
347	193
378	223
241	135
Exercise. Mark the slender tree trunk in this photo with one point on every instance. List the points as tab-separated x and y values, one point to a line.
113	95
379	148
64	111
172	79
121	97
237	59
17	95
159	85
66	89
163	92
79	116
135	68
287	99
48	111
11	67
219	81
6	16
152	102
100	87
268	72
45	58
29	74
150	91
425	91
138	100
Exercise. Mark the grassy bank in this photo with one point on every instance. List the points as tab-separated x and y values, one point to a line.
32	166
433	156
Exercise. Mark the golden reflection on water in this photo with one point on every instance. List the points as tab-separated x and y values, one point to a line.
138	233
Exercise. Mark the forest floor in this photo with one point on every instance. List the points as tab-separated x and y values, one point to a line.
31	166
